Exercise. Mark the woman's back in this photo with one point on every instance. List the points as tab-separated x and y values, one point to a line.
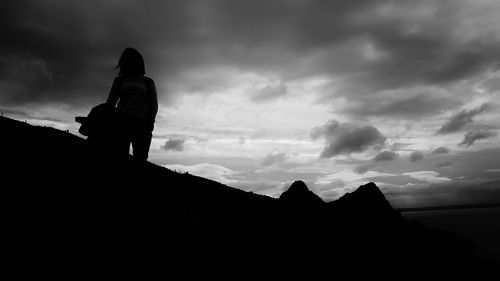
133	96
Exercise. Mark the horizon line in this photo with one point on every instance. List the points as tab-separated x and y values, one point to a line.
449	207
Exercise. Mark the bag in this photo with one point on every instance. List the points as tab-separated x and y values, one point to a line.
102	119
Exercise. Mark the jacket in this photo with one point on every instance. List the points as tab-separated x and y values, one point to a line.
136	97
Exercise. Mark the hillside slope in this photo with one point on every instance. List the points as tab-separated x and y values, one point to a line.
76	209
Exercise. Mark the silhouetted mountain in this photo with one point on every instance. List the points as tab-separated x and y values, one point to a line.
76	210
366	196
367	201
299	194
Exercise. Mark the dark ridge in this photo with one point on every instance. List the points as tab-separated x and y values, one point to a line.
76	210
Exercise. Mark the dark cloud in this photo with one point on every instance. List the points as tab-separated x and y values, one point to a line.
346	138
174	144
362	169
452	63
441	150
477	134
401	105
385	156
415	48
460	120
69	48
416	156
444	164
471	163
72	47
274	157
270	92
22	72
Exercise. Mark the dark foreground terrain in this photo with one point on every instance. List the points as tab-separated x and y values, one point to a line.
73	210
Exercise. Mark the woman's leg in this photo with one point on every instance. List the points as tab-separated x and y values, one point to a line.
121	135
141	141
122	145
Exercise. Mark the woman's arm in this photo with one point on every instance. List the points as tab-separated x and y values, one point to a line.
114	93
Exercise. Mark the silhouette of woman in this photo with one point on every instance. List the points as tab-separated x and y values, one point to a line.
137	103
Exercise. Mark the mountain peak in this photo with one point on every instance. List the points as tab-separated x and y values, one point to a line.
366	197
299	193
369	189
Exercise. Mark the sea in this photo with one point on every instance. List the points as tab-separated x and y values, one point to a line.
480	225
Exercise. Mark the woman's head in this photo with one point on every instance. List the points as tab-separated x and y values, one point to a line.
131	63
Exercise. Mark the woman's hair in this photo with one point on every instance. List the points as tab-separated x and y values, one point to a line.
131	63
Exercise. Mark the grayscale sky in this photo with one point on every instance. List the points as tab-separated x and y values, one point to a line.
257	94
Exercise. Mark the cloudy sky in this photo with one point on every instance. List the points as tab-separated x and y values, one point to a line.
257	94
